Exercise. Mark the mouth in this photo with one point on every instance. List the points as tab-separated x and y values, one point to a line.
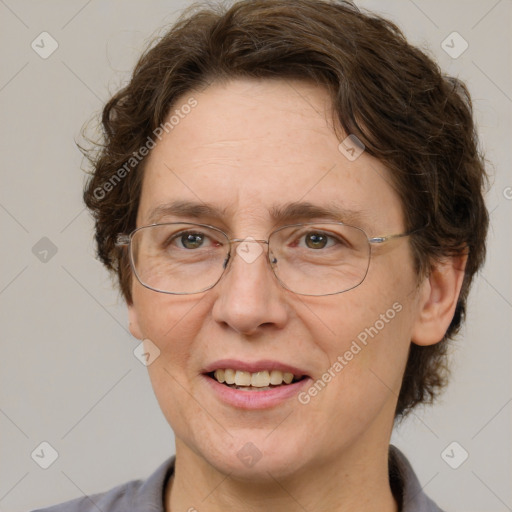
254	385
262	380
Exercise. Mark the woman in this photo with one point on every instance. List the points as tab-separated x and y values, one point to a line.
291	197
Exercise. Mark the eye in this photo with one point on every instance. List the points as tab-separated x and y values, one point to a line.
318	240
191	240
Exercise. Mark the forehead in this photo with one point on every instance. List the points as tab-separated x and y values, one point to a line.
252	147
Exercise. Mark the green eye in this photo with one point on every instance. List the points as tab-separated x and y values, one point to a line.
191	240
316	240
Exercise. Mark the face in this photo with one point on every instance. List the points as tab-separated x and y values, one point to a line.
245	148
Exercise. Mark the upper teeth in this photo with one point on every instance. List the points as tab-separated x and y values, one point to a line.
257	379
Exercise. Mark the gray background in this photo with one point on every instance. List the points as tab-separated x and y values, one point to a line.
68	373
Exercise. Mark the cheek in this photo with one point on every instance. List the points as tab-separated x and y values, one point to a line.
366	358
160	316
172	323
371	329
385	328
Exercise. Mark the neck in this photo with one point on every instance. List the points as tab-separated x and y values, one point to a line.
347	482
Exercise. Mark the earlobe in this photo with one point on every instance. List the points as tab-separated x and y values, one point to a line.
438	298
134	322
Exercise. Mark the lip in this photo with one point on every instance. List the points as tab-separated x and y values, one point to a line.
252	400
253	367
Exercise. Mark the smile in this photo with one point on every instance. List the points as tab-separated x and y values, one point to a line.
254	385
253	381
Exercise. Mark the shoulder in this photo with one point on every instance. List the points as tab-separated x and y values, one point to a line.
131	496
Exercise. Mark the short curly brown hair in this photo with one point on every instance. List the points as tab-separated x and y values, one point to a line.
391	95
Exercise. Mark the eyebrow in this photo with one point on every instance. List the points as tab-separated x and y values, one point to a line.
292	211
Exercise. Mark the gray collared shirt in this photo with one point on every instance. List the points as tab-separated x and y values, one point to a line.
148	495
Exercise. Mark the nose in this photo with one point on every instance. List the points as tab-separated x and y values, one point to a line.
249	297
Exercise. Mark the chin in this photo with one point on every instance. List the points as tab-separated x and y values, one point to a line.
255	455
264	470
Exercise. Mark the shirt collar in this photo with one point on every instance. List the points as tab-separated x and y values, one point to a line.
405	483
403	480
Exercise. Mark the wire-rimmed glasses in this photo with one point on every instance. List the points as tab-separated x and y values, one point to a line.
314	258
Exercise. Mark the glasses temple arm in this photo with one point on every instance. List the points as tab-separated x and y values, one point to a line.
383	239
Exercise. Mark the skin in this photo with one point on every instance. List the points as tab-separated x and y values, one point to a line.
236	149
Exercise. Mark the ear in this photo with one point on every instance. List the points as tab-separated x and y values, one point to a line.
134	322
438	297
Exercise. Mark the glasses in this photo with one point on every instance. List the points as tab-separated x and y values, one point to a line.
307	259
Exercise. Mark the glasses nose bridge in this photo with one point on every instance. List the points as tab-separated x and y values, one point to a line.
247	259
248	239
